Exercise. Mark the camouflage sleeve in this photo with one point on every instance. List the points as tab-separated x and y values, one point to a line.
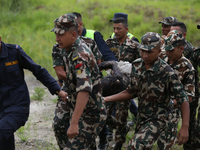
83	76
56	56
195	59
189	83
133	83
176	88
96	51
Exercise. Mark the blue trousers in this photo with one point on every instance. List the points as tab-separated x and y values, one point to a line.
9	123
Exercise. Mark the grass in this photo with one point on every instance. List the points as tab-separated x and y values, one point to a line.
28	22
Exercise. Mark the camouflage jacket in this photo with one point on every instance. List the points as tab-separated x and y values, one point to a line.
188	49
153	88
195	60
83	75
58	53
186	73
127	51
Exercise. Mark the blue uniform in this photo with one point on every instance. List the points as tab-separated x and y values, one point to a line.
104	49
14	96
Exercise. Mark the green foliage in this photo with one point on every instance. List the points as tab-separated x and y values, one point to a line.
29	22
39	93
22	132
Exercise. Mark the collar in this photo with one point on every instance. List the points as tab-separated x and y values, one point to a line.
74	47
4	50
83	32
155	67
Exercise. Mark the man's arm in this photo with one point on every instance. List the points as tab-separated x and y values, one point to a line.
60	72
81	101
122	96
183	132
104	49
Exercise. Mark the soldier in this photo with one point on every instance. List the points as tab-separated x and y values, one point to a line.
166	24
124	49
188	47
152	80
61	121
14	95
87	112
106	52
125	16
195	60
187	52
174	47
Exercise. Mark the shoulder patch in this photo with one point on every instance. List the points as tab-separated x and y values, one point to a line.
75	55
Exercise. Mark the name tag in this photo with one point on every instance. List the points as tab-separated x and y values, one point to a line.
113	49
11	63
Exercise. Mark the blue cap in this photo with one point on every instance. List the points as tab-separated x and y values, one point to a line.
119	15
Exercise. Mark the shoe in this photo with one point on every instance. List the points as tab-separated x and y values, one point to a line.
118	146
103	144
110	136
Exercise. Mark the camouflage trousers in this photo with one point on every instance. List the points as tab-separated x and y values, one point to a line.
119	122
88	131
193	110
196	146
168	138
146	134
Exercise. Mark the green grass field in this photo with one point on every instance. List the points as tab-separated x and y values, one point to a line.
29	22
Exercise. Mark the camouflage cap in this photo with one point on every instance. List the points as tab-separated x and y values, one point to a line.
149	41
172	39
64	22
169	20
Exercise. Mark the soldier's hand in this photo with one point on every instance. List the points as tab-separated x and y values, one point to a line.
72	131
182	135
63	95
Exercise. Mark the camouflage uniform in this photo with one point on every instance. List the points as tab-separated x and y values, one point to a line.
195	60
187	52
185	71
188	49
152	87
127	51
82	75
61	116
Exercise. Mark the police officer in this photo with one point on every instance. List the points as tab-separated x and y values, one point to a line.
125	16
14	95
87	112
174	47
124	49
106	52
151	81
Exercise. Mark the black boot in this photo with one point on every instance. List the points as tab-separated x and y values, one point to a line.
118	146
103	144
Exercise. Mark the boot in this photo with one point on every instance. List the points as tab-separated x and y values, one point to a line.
103	144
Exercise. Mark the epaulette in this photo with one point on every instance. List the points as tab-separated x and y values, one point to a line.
137	60
87	39
75	55
13	46
188	63
197	48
